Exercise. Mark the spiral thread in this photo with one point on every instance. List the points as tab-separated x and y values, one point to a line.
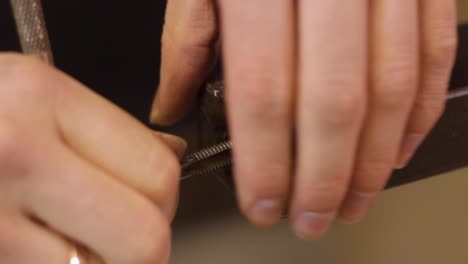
208	170
207	153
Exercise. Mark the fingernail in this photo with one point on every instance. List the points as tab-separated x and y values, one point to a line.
267	212
355	206
155	115
311	225
409	146
161	117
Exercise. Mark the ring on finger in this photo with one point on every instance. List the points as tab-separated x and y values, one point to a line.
75	256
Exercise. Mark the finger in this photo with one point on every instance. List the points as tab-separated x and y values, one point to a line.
23	242
92	208
438	44
394	70
189	53
115	142
175	143
50	183
26	241
94	128
258	41
331	105
178	145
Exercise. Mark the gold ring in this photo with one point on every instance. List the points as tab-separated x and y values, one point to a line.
74	256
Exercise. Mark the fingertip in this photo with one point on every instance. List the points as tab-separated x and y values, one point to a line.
157	118
160	116
409	146
189	52
400	165
355	206
312	225
265	213
262	193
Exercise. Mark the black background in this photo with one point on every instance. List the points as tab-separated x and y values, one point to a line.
111	46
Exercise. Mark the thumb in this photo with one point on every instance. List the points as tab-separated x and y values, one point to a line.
189	53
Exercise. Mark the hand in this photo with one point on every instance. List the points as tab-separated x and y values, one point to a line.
324	98
76	168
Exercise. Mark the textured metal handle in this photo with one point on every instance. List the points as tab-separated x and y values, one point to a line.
32	29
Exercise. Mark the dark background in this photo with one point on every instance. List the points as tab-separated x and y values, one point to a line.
111	46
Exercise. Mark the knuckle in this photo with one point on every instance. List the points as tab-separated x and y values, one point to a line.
14	68
9	59
342	109
266	98
152	241
168	172
440	52
8	140
396	86
10	149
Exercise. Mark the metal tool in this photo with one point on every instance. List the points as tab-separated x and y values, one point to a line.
207	160
31	28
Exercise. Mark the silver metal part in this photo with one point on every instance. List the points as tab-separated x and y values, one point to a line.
216	89
206	153
207	160
457	93
207	170
32	30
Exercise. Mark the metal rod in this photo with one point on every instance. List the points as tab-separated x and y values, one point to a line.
32	30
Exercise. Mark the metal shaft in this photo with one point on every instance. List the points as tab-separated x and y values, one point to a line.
32	29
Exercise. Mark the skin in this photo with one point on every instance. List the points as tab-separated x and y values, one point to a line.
76	169
325	98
